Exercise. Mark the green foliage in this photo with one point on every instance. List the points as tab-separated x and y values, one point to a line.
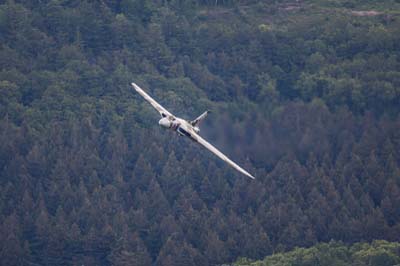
378	253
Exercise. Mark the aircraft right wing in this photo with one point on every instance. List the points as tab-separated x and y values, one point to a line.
222	156
163	112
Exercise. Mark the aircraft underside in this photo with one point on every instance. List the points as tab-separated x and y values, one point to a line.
188	129
183	132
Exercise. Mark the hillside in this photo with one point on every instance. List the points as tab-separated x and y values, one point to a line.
304	94
378	253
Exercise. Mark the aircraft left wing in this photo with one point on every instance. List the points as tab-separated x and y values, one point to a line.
222	156
163	112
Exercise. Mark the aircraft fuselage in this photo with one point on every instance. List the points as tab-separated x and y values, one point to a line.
179	125
189	129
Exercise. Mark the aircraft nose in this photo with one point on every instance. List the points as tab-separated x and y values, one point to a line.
164	122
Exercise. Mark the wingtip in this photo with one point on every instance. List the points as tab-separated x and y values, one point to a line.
135	86
249	175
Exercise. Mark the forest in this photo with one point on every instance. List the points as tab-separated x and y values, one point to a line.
378	253
304	94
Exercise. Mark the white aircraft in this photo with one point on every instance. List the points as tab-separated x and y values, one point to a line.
189	129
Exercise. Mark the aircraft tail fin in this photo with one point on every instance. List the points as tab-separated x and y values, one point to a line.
197	121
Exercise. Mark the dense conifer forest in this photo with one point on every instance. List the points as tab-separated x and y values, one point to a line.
305	95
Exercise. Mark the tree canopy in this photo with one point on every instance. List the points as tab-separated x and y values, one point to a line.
305	94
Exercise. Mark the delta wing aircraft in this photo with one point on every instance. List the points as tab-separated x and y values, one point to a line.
189	129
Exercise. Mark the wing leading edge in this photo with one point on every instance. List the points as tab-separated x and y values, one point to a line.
163	112
219	154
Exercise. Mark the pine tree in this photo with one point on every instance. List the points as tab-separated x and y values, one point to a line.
129	250
256	241
12	251
171	178
142	175
215	251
